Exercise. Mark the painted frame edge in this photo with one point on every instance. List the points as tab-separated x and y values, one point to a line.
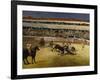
14	39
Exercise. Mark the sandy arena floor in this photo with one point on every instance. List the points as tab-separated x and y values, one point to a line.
46	58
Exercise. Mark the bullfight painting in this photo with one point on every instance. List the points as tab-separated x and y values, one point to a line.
52	39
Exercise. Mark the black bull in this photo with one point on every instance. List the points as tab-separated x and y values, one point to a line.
32	53
60	48
64	48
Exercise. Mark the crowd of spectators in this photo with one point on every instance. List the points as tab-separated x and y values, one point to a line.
47	32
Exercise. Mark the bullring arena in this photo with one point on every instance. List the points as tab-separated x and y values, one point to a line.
45	56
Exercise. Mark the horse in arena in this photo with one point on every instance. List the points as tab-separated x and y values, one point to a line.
31	52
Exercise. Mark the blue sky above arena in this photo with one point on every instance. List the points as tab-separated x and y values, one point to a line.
38	14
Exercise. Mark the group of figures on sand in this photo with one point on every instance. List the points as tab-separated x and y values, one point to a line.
65	48
29	50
